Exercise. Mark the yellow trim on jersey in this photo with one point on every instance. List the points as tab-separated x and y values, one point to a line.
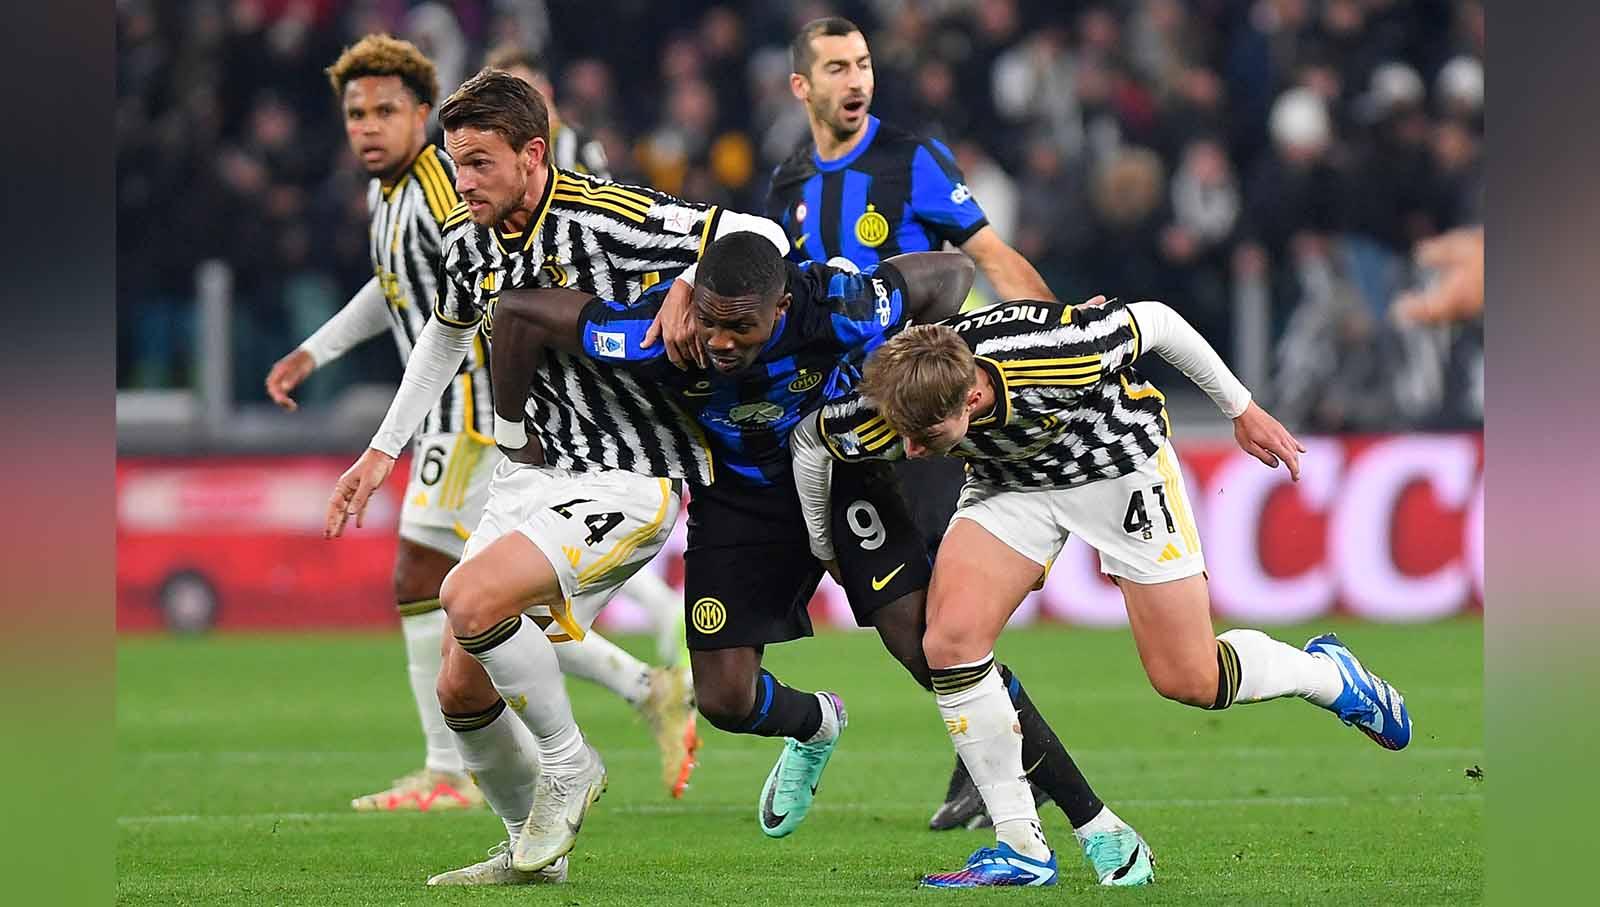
1093	358
1150	391
827	438
1176	501
461	531
562	614
598	205
1066	318
625	545
1138	342
430	189
443	199
458	215
621	193
532	230
649	280
452	473
467	422
705	231
582	189
452	322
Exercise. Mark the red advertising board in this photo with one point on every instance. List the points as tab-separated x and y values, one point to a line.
1381	527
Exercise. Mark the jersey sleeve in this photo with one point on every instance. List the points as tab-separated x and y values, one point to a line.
940	197
852	430
613	333
1059	349
463	291
863	307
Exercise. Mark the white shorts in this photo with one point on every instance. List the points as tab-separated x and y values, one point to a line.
448	488
1141	524
595	528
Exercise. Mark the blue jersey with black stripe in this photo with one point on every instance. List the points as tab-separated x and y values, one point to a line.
894	192
835	318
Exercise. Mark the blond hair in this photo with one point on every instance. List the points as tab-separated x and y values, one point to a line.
384	55
920	377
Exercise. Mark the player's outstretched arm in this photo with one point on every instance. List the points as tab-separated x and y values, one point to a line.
936	282
1009	273
365	316
434	362
525	323
1166	333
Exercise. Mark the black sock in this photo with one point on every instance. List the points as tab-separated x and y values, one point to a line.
1047	762
782	711
958	779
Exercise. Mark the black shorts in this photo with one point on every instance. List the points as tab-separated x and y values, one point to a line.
748	569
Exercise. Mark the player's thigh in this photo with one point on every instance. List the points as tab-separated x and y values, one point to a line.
882	555
1171	626
748	570
1142	526
992	557
596	530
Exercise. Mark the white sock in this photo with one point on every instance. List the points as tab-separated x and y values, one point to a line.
1269	669
665	606
1104	820
521	661
983	726
832	721
423	634
599	660
503	758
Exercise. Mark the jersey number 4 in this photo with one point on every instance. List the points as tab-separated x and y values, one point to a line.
1135	520
599	523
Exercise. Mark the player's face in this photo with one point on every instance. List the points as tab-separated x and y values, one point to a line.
937	439
839	89
492	177
733	329
384	122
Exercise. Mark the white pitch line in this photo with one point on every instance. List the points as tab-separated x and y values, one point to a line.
689	809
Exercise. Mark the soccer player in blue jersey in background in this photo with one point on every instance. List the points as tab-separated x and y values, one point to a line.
862	190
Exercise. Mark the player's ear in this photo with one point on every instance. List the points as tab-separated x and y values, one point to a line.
799	86
783	302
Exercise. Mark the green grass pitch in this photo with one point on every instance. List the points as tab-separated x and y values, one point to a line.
237	758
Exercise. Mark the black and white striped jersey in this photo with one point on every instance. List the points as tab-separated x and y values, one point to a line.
599	237
406	245
1069	407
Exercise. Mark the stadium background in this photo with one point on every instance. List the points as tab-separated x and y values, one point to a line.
1265	167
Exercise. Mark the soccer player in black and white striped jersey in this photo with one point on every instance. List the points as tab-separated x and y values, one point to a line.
1061	435
386	87
557	538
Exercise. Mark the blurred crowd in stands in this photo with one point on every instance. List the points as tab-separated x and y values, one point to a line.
1288	154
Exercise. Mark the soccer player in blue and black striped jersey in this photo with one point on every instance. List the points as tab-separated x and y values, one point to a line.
862	190
780	340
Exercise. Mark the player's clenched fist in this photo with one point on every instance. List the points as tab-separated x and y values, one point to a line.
1265	438
354	490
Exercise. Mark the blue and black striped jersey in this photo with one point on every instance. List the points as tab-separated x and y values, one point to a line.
835	318
894	192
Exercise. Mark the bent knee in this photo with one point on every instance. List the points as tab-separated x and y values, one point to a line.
1194	687
727	708
945	646
463	693
470	602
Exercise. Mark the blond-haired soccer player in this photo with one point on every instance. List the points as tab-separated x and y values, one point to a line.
1061	435
386	88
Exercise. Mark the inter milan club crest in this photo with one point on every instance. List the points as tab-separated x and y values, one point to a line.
800	212
872	228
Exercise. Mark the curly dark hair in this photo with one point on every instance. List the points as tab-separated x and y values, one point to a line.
385	55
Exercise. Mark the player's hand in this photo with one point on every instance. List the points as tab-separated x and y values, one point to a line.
529	454
1097	301
354	490
675	325
1265	438
286	375
1457	293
